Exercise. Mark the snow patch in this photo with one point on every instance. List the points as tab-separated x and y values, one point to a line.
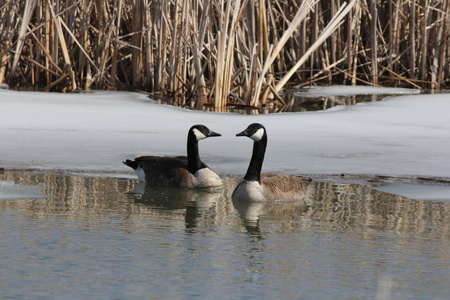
343	90
404	135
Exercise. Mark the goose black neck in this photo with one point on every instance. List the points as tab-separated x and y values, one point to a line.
255	166
194	161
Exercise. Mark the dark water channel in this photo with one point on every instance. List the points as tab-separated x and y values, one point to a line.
94	239
297	100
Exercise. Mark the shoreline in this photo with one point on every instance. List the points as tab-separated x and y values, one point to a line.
314	176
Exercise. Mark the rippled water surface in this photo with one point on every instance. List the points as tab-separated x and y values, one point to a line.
95	239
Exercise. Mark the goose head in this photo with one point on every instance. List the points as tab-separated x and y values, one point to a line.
201	132
254	131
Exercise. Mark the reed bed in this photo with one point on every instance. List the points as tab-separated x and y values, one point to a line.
217	52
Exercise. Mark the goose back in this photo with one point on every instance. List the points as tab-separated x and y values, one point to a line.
280	186
164	171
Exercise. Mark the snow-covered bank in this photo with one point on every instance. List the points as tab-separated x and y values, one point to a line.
342	90
406	135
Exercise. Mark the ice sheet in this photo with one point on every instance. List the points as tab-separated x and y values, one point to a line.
404	135
342	90
418	191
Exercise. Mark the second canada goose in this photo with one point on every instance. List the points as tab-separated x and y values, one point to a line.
266	187
181	171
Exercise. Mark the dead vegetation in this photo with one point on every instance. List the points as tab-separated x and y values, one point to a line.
216	52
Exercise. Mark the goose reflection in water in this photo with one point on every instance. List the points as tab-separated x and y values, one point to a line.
250	212
196	204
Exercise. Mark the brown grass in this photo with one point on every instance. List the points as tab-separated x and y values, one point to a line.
212	53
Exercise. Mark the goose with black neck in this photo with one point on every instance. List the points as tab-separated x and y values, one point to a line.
266	187
181	171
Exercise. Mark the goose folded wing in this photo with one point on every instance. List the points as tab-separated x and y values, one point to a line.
284	186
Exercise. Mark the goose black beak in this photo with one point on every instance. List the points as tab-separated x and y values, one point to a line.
212	133
243	133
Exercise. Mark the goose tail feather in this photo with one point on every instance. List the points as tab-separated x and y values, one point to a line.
132	164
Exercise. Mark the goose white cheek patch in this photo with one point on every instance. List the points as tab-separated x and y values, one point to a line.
257	136
198	134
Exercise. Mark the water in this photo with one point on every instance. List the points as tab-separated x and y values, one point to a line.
301	100
292	103
95	239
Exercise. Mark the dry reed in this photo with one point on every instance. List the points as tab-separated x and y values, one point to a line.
216	52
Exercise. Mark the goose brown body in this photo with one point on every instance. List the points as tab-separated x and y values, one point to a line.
280	186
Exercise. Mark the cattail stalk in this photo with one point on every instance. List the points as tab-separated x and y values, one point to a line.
210	53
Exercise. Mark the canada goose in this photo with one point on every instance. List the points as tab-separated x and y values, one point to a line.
181	171
266	187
